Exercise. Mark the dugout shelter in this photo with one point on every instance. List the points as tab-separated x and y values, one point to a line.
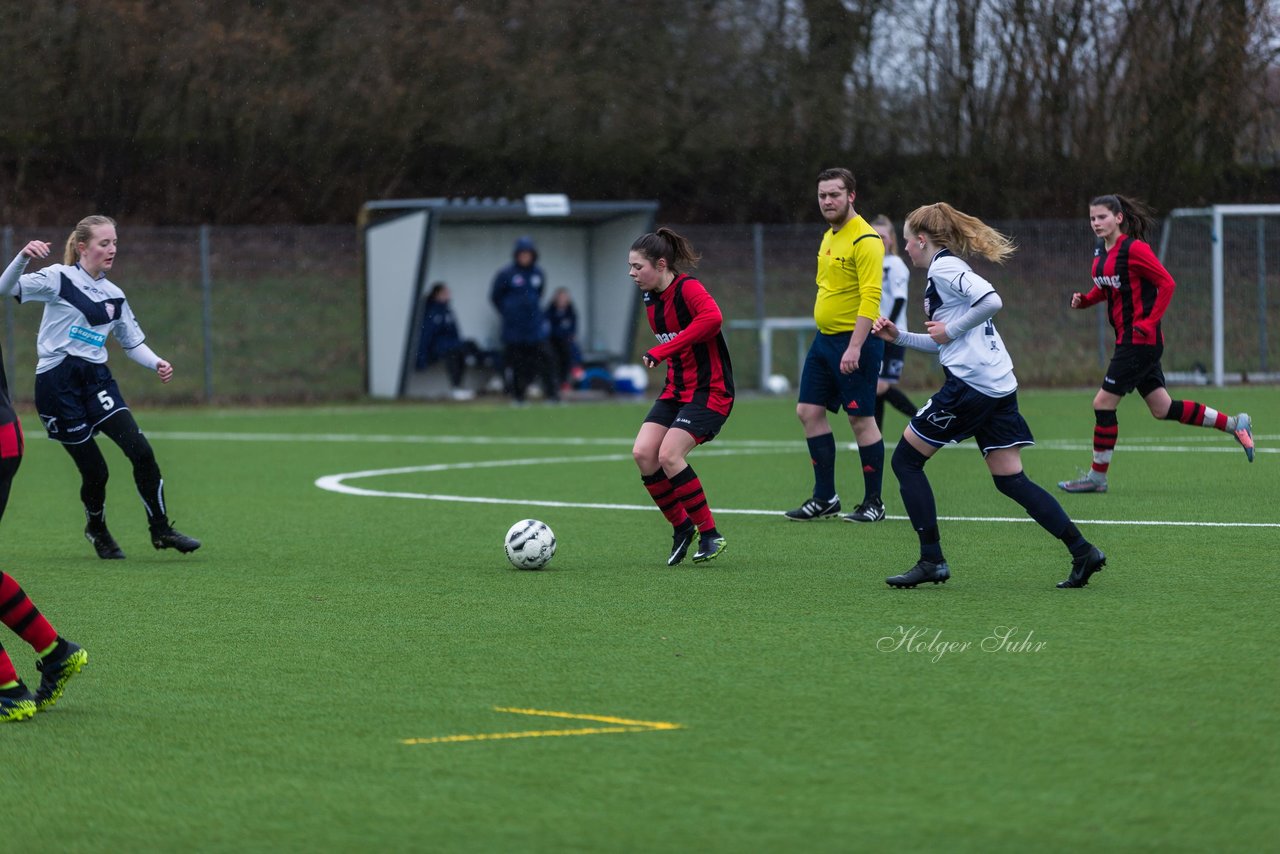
411	243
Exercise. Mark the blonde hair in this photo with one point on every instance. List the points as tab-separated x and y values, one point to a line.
82	234
893	235
962	234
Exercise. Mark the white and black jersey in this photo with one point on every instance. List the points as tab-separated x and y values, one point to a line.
978	356
894	288
79	313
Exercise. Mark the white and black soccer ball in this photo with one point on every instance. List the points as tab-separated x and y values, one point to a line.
530	544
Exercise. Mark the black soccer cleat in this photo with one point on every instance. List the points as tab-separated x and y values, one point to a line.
924	571
680	542
815	509
56	669
1083	567
868	511
103	543
16	704
167	538
710	547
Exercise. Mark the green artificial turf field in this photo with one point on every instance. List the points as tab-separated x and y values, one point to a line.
320	675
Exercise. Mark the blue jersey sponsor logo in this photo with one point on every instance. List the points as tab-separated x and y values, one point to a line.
88	336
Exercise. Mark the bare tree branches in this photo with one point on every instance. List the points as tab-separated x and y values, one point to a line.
194	111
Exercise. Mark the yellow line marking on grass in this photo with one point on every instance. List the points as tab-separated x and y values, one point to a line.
621	725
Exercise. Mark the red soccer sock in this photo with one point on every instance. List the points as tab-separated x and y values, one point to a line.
1105	431
662	493
7	672
689	490
1196	414
20	614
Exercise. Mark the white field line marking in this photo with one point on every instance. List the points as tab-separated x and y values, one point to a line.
337	483
1135	445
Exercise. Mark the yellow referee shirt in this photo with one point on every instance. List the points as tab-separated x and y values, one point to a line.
850	269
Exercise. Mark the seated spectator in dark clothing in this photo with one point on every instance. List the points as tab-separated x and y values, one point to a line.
517	295
439	341
562	317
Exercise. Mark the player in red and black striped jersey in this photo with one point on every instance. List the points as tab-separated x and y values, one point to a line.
1137	288
697	396
60	659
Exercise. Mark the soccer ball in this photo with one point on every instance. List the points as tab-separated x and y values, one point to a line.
530	544
777	384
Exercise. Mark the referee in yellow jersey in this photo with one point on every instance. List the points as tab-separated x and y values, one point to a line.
843	364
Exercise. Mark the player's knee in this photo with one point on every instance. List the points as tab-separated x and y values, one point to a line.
907	460
1010	484
646	457
670	460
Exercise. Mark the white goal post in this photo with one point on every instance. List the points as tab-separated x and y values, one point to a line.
1240	225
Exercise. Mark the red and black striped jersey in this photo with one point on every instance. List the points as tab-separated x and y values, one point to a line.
1137	289
686	321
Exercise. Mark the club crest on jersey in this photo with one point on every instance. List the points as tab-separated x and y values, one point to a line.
111	310
88	336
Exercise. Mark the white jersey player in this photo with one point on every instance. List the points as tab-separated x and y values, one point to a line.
979	398
893	305
76	396
964	303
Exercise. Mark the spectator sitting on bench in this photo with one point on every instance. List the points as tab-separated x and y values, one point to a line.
439	341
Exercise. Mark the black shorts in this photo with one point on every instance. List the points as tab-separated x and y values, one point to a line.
957	411
74	397
891	366
822	383
1134	366
698	421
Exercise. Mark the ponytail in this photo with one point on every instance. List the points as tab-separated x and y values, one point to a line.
963	234
1138	218
82	234
666	244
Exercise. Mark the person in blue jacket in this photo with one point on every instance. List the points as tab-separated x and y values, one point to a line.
562	318
439	340
517	295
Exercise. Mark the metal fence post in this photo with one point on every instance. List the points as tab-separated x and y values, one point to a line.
757	240
206	288
1262	295
6	255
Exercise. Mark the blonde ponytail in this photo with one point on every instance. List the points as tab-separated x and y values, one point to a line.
963	234
82	234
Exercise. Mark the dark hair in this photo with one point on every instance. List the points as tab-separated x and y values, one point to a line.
435	290
666	244
1138	218
838	174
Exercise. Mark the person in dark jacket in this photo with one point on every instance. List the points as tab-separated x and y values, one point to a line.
562	318
517	295
439	341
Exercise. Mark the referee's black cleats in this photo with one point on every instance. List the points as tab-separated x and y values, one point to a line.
1083	567
166	537
867	511
924	572
815	509
680	542
103	543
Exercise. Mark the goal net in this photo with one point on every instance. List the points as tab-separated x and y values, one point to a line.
1223	324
